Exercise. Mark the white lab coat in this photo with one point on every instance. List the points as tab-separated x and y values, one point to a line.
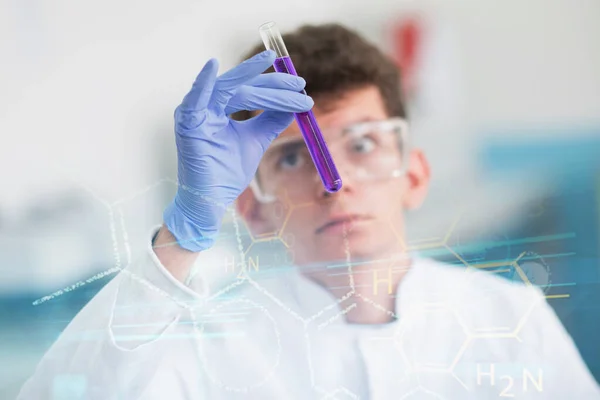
459	335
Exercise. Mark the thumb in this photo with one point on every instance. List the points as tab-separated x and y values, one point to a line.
266	126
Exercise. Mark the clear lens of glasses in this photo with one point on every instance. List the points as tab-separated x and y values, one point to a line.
365	152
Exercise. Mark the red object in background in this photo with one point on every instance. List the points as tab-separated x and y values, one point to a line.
407	39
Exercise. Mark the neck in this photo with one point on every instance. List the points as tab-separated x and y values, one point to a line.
373	286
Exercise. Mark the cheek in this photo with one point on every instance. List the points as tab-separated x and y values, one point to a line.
276	213
385	197
299	223
287	221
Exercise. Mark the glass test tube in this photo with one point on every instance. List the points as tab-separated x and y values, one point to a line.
306	120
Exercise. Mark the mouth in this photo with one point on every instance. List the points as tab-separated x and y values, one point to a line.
342	223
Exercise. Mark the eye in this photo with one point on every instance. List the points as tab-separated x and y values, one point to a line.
363	144
291	160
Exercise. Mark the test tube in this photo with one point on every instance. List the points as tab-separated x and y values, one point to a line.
306	120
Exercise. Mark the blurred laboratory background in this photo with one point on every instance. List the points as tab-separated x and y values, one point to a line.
504	96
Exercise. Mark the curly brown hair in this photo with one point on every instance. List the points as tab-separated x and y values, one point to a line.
333	60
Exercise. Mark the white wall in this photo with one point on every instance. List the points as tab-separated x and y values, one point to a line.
88	88
91	84
88	85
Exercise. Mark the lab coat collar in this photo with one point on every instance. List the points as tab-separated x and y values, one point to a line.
315	303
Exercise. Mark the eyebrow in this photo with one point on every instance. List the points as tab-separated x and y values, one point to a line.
284	145
290	143
365	120
368	119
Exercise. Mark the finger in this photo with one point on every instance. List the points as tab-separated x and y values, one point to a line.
252	98
266	126
278	80
227	83
199	96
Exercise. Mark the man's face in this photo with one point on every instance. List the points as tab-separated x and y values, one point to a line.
365	218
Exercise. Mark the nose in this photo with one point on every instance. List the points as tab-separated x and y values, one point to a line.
346	175
324	194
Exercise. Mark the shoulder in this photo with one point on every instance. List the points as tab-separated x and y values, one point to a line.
452	278
488	306
473	290
269	295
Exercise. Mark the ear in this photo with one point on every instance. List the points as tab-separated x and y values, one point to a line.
418	176
254	213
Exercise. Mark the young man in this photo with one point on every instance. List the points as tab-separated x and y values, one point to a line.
359	317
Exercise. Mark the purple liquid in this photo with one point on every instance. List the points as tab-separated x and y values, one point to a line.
313	137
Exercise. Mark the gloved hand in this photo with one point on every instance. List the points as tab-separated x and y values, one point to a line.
217	156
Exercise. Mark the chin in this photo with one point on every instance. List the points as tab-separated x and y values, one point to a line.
357	247
367	242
